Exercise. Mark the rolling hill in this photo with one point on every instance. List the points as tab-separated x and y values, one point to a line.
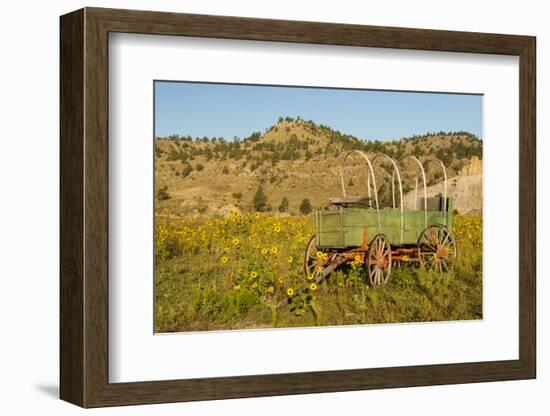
297	159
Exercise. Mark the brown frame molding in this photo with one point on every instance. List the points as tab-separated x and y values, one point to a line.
84	207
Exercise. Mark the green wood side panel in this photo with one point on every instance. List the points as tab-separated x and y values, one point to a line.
345	227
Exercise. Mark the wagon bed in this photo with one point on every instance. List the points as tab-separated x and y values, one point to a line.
350	226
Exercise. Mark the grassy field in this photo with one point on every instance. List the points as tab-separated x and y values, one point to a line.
232	273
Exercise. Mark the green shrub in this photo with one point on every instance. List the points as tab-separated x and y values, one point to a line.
162	194
305	206
283	206
260	200
186	171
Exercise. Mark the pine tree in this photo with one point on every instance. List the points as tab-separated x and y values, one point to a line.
283	207
305	206
260	200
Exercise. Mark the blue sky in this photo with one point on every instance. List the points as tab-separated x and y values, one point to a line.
228	110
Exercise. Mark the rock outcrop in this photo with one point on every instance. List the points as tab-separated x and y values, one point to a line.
466	189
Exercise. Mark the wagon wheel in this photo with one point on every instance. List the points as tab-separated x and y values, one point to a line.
314	264
437	248
378	262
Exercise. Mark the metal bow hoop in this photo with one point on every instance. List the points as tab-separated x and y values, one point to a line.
423	172
442	165
395	172
369	175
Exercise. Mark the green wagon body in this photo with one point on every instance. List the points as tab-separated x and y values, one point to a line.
357	230
347	227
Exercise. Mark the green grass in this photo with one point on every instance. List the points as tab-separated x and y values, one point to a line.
197	291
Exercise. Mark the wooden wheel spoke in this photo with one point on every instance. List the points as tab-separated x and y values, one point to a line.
447	235
436	248
312	262
445	265
373	273
375	247
378	261
441	236
428	261
428	244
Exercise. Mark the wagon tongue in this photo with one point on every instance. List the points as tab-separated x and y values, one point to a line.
334	263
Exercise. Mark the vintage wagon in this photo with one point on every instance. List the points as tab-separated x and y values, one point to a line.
356	229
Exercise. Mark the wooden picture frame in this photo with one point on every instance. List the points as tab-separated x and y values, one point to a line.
84	207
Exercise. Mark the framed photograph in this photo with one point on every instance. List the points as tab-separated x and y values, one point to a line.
255	207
